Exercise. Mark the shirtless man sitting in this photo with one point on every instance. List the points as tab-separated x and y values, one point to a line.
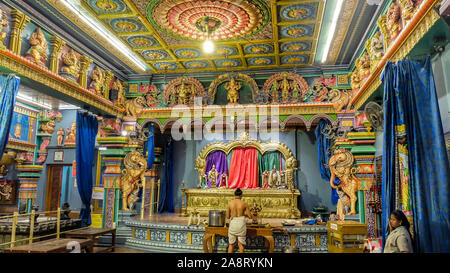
237	210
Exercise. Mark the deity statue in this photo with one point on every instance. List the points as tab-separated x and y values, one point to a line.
117	85
71	64
255	209
60	134
274	177
71	134
275	91
134	107
409	8
212	176
265	180
364	66
295	91
341	166
38	50
48	127
393	21
354	80
285	87
3	24
233	91
375	49
223	180
320	91
183	93
132	176
97	81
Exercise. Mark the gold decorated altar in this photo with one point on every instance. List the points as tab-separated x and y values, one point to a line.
274	203
275	200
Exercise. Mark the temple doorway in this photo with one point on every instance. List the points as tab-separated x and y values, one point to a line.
58	186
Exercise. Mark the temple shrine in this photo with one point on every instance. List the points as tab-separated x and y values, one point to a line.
129	125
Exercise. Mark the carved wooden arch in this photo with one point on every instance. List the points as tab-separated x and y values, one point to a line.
333	122
300	117
244	140
212	90
155	121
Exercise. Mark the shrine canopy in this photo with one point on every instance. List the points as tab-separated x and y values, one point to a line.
249	160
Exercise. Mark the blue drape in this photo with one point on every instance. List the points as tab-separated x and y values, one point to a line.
323	144
410	99
87	127
166	192
151	147
9	86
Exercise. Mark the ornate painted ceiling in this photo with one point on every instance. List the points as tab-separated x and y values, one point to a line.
248	34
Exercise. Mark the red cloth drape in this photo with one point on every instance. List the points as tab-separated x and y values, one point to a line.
244	169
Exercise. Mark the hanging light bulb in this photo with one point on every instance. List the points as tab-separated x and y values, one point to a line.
208	46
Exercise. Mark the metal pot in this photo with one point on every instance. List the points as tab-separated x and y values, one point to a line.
216	218
290	249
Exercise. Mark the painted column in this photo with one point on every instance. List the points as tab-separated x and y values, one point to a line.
113	158
28	178
56	44
19	21
85	62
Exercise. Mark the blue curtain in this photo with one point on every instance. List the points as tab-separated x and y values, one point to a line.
9	86
87	126
166	192
323	144
151	147
410	100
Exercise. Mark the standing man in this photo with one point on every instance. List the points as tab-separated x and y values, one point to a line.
236	212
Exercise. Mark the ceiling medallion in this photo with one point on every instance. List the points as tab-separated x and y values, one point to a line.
221	20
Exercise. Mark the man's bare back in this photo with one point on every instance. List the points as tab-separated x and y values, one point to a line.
238	208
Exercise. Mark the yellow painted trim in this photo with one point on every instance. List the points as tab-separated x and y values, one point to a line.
189	238
167	236
292	240
148	234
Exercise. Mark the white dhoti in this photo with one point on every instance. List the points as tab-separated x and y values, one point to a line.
237	229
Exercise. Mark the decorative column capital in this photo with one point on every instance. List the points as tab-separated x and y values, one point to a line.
85	62
56	44
19	21
108	78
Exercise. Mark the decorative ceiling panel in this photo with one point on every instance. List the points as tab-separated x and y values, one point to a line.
247	34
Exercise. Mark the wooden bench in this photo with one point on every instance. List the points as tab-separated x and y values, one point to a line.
93	233
63	245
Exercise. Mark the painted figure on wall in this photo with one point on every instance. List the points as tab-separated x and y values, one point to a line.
60	136
134	107
233	91
355	80
3	24
183	92
97	81
38	50
285	87
71	64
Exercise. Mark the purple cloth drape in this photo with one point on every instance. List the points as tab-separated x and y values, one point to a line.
219	159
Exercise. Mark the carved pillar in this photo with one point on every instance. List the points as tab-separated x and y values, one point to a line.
85	62
19	21
56	44
28	179
108	78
